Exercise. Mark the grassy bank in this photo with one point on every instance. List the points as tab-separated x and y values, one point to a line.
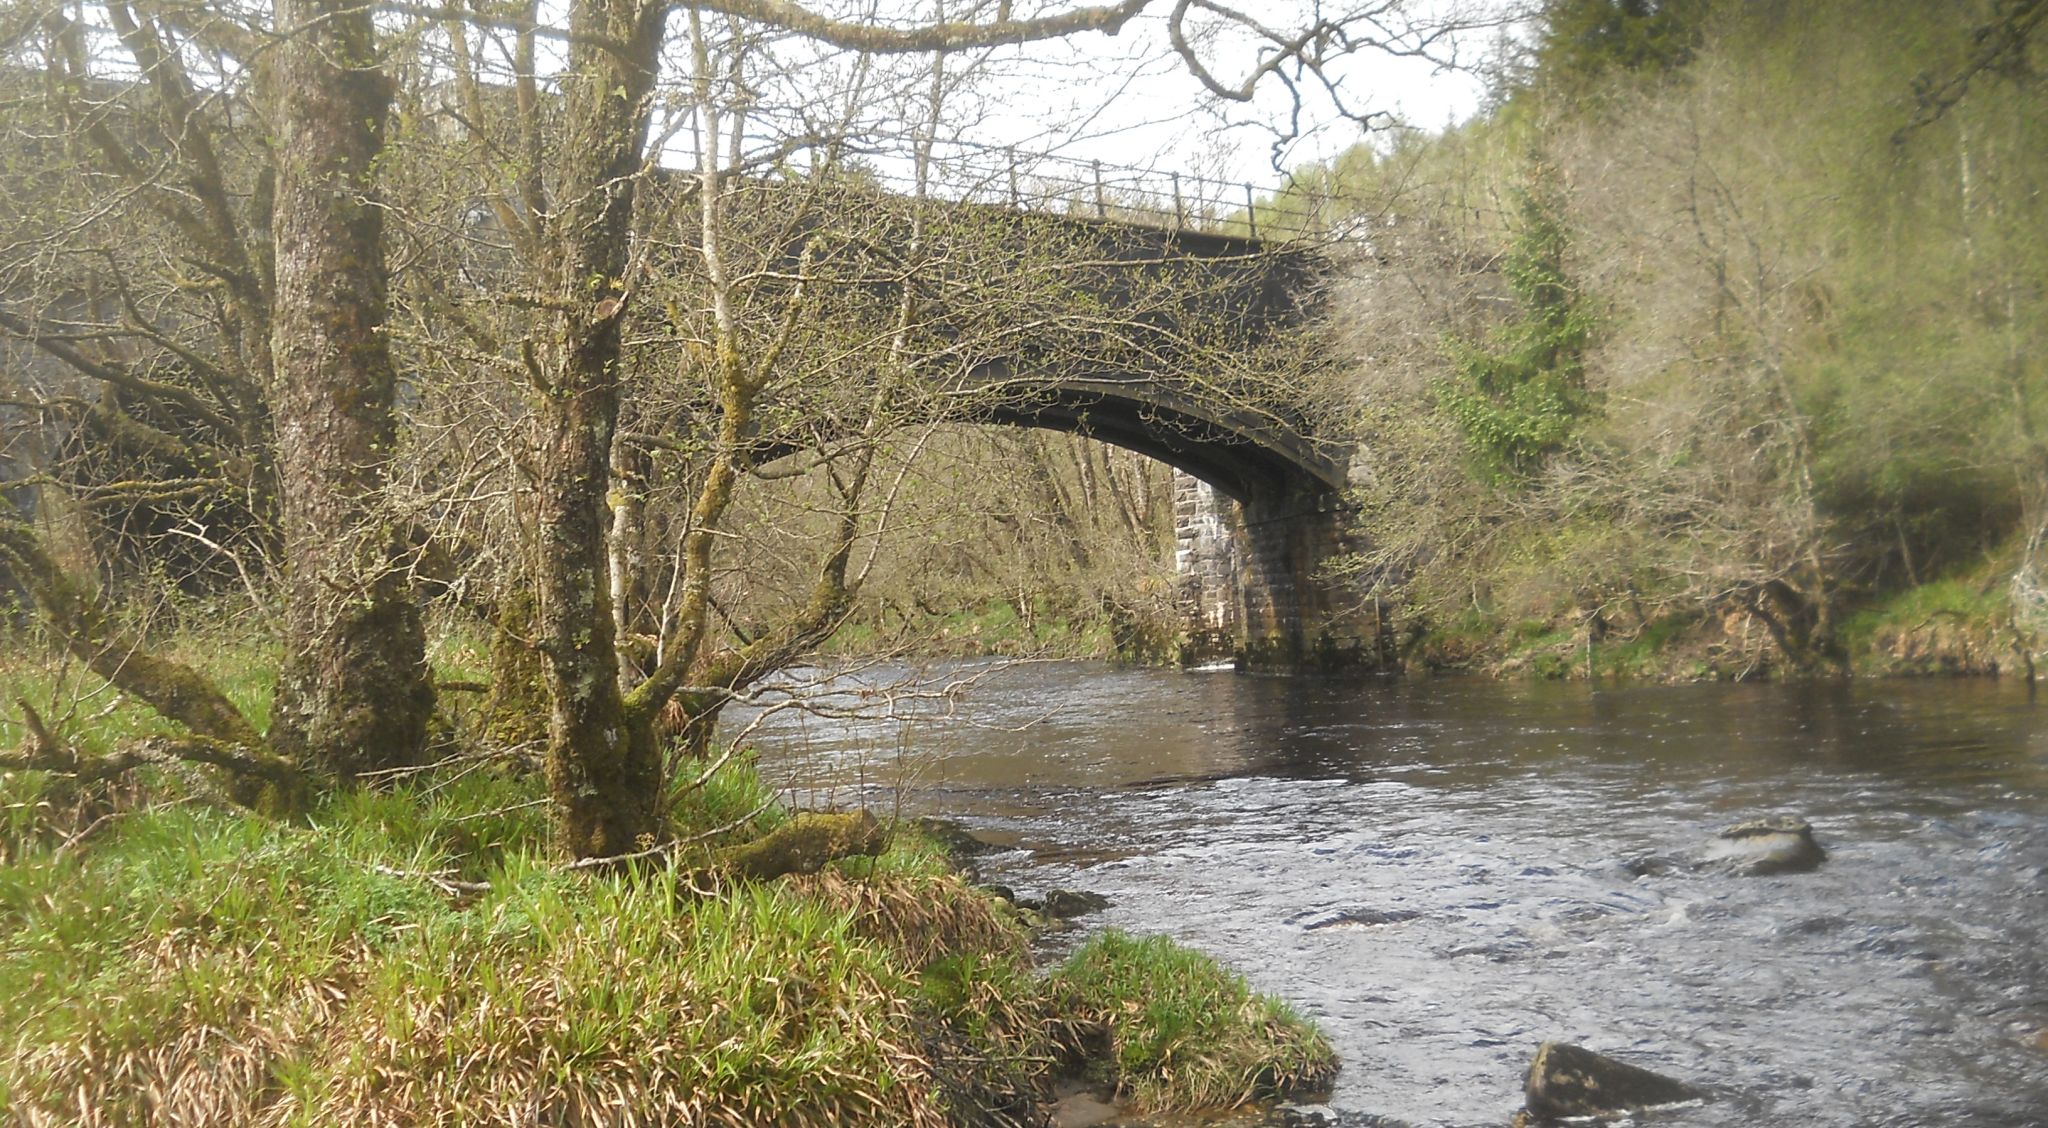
1962	626
1009	629
416	955
1175	1030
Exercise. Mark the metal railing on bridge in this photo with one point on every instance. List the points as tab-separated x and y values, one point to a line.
1042	182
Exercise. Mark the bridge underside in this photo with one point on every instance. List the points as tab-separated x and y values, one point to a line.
1259	515
1246	458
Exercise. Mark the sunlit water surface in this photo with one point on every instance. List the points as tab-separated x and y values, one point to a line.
1501	829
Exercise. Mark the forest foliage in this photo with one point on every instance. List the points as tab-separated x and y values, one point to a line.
1748	297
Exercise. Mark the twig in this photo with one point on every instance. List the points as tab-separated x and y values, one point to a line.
91	828
526	806
439	879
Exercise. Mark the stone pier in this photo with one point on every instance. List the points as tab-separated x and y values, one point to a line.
1254	591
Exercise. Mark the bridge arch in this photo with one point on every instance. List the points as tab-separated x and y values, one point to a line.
1259	496
1259	511
1245	455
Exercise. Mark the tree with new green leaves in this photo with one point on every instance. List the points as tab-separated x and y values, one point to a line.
1518	394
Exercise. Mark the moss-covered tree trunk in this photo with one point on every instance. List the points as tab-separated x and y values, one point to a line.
604	769
516	712
353	694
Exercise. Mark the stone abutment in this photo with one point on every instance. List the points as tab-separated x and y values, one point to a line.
1256	589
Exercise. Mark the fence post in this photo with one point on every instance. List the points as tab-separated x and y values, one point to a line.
1016	199
1101	206
1251	211
1180	211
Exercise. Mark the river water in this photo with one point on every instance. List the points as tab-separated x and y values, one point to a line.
1512	856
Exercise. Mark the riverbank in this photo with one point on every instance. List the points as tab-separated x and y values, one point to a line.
1965	627
415	955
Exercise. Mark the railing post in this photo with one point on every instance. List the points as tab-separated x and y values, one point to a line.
1101	205
1180	211
1251	211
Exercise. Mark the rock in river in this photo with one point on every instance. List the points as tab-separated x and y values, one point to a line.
1351	918
1571	1081
1783	844
954	837
1066	904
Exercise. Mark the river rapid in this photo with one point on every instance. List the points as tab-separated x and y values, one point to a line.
1444	873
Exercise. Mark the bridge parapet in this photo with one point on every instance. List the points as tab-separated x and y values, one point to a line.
1045	183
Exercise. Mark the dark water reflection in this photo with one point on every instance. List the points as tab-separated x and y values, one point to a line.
1905	983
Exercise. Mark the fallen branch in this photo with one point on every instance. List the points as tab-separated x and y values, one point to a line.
439	879
804	844
43	752
79	839
92	633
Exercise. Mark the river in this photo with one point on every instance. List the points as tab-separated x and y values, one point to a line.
1521	848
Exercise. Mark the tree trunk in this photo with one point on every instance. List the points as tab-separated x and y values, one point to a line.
353	694
516	712
604	770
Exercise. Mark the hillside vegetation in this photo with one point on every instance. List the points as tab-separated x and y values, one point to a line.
1714	347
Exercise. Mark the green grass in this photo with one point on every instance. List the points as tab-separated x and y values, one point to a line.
1957	604
1182	1031
417	954
264	969
314	973
1648	654
734	793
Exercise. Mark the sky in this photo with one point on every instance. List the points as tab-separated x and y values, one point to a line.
1130	101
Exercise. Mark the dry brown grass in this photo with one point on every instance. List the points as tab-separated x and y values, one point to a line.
921	917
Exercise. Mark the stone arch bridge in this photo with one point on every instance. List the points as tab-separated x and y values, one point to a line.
1258	487
1259	482
1157	323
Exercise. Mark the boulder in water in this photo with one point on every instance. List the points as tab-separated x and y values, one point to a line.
1571	1081
1650	865
953	836
1066	904
1760	847
1356	918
